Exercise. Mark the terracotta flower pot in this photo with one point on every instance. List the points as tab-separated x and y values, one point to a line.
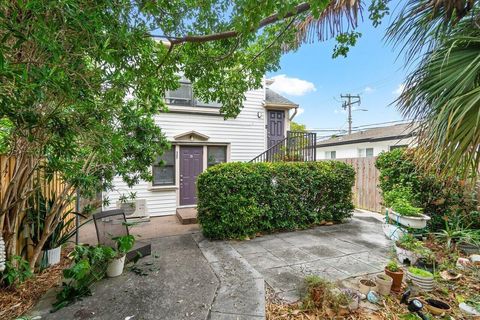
397	279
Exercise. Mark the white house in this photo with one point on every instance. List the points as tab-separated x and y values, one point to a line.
200	138
367	143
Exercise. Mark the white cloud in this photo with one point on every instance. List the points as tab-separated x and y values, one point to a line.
399	89
291	86
300	111
368	89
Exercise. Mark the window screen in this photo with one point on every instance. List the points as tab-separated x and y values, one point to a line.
164	173
216	155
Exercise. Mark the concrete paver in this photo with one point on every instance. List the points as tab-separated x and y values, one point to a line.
336	252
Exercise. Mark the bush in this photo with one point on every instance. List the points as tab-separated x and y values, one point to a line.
239	200
443	200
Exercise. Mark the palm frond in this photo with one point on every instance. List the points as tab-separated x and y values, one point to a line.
339	16
421	24
445	93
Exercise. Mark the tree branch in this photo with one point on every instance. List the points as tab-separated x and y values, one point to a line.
301	8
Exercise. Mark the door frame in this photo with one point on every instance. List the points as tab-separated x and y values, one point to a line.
205	146
286	123
202	162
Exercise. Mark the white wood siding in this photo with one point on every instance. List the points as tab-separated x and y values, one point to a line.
246	135
351	150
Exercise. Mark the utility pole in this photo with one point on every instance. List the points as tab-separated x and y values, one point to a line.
347	105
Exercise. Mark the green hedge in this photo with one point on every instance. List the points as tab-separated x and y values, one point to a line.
239	200
443	200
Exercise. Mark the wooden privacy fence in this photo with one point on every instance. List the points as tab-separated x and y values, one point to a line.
48	189
366	193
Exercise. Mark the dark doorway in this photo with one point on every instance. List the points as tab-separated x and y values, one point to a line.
191	165
275	127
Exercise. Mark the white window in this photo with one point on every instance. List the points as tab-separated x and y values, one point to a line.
183	96
216	155
164	169
330	154
365	152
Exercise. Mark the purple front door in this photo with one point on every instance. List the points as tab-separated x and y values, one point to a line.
191	165
276	126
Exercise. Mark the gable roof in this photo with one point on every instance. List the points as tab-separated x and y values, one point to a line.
395	132
273	98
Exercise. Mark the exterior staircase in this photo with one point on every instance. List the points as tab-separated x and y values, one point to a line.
297	146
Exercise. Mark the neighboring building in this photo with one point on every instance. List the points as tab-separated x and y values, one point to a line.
201	138
367	143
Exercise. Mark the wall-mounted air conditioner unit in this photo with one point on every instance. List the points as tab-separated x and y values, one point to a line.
134	209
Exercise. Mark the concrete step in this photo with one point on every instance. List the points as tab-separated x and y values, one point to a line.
187	215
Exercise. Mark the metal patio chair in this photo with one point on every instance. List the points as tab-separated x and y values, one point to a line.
113	223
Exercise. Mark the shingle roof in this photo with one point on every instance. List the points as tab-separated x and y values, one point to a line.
397	131
274	98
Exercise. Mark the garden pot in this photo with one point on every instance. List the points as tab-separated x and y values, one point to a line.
475	259
397	279
53	256
366	285
436	307
384	284
115	267
419	222
354	299
424	283
392	232
406	256
468	309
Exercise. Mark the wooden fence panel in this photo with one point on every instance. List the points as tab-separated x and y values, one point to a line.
49	189
366	193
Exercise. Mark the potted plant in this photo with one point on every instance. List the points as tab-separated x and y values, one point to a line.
401	210
408	249
384	284
124	244
396	273
421	278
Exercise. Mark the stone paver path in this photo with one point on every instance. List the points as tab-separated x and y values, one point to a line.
283	260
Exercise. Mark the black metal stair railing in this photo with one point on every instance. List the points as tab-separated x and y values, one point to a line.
297	146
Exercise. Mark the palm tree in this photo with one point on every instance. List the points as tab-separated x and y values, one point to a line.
442	39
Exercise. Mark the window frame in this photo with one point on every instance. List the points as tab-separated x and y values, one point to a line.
173	165
330	153
224	147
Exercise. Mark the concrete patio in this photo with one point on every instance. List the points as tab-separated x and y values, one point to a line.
283	260
190	277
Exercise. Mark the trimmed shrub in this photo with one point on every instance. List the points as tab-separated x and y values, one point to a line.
442	200
239	200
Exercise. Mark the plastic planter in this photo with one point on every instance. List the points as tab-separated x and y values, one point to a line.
115	267
407	221
424	283
397	279
53	256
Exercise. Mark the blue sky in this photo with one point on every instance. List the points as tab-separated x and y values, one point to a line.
372	69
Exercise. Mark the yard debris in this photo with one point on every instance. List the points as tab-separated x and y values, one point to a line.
457	289
15	302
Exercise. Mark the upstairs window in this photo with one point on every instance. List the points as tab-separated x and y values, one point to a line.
164	174
184	96
216	155
330	154
365	152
